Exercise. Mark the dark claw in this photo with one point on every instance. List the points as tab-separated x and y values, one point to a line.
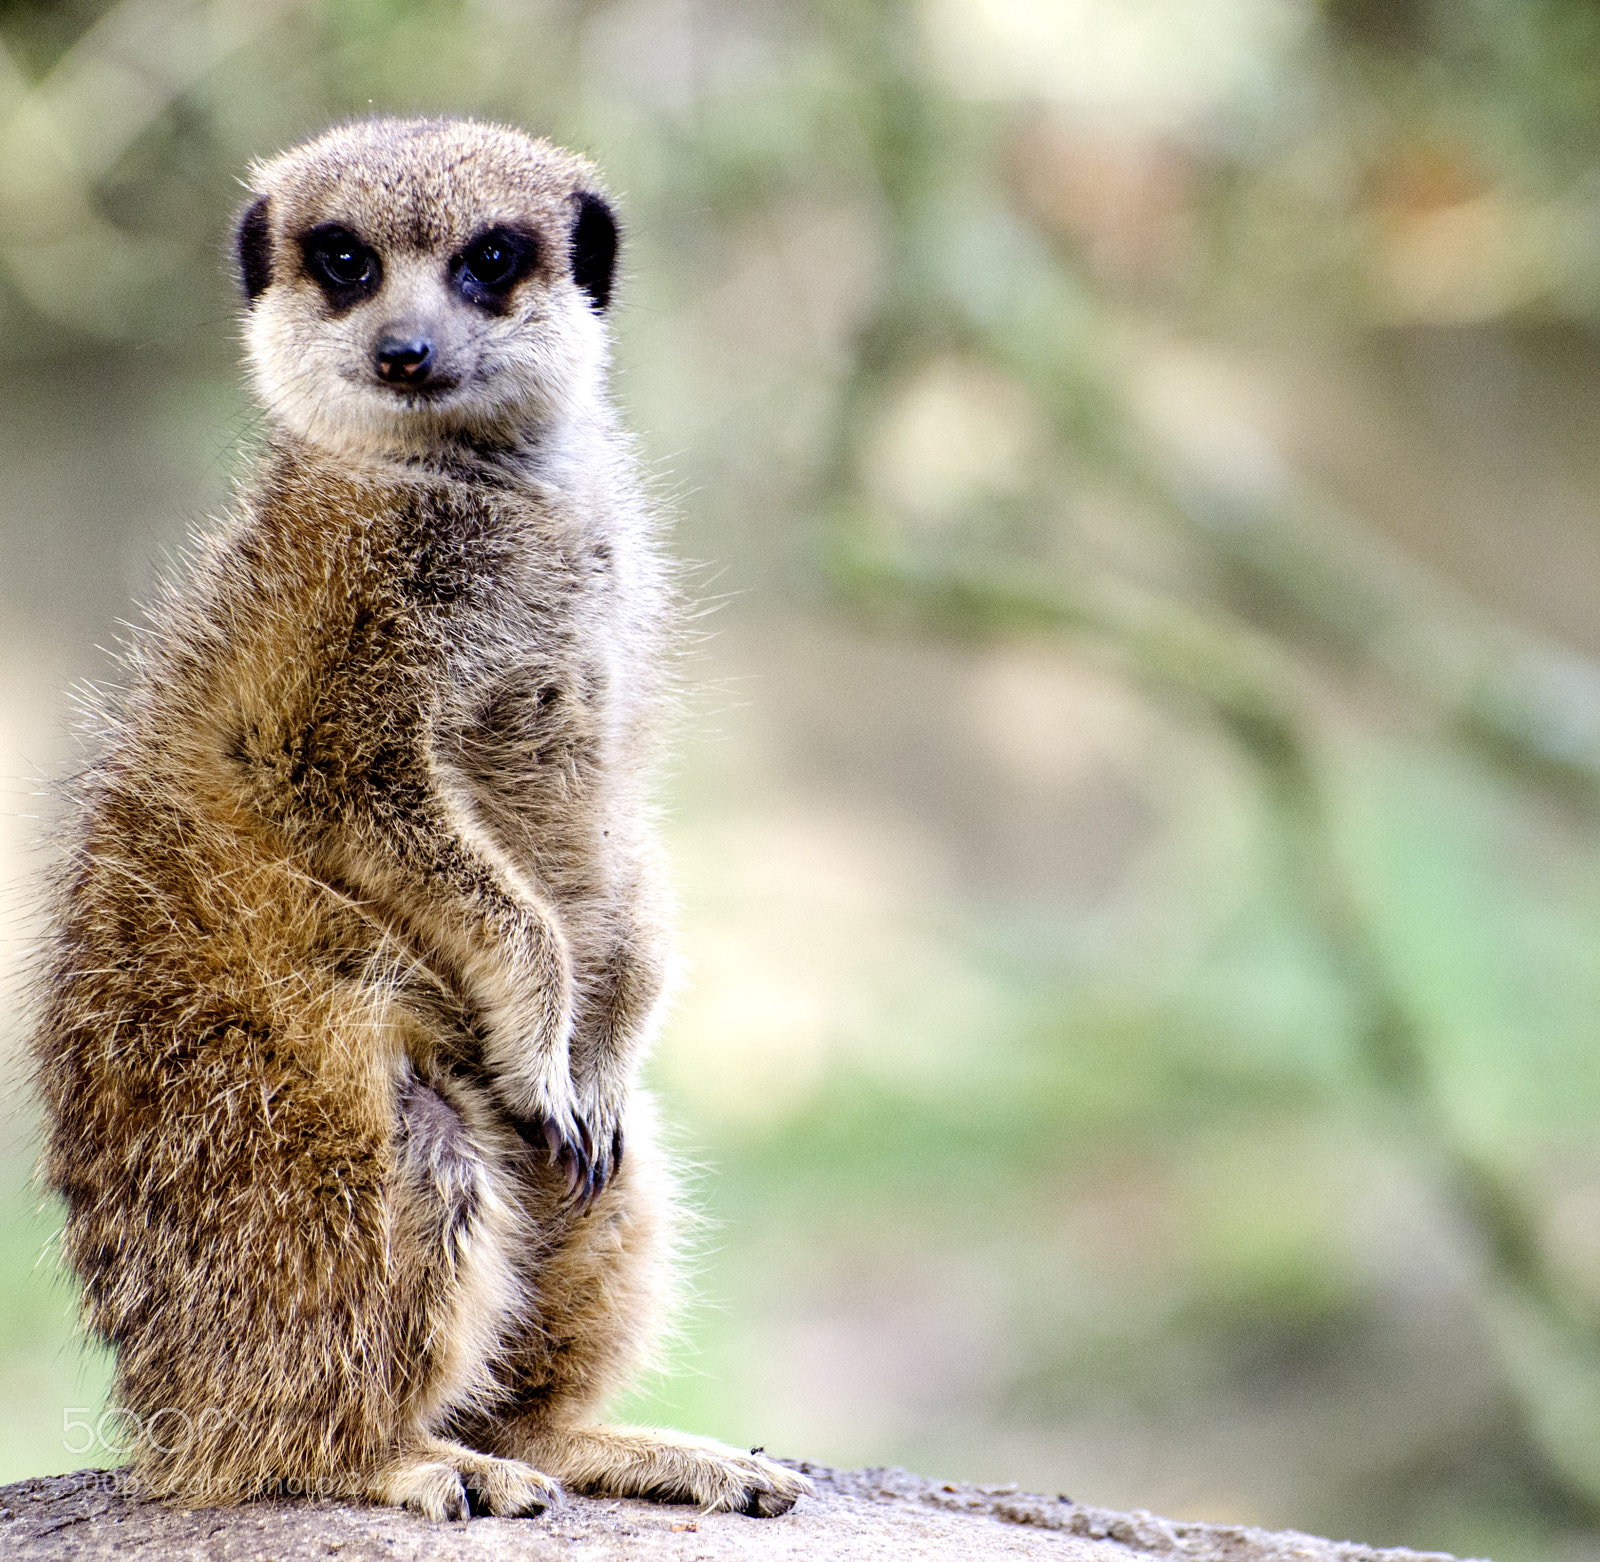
574	1166
573	1160
585	1172
604	1168
538	1133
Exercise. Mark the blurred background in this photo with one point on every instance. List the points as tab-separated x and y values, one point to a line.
1137	802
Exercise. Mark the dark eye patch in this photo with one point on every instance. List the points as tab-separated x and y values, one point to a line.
485	272
344	266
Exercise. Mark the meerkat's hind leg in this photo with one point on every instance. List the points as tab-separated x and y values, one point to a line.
666	1466
445	1480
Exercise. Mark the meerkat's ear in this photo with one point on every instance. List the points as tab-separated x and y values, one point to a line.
253	247
594	247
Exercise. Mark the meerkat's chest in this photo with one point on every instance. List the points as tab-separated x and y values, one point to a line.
529	633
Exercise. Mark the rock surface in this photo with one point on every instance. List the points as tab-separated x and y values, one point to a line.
855	1514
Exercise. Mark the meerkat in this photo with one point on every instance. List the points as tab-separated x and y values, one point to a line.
359	937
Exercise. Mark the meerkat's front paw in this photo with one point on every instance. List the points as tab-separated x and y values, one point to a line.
552	1127
589	1160
667	1467
748	1483
602	1111
568	1147
545	1113
447	1482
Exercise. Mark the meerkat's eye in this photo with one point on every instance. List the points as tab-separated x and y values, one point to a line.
490	264
489	267
340	264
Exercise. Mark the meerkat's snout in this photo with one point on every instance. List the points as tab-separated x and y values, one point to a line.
404	360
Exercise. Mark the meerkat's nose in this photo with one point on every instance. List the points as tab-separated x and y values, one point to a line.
404	360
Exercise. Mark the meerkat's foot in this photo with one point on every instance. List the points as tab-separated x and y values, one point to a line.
446	1481
667	1467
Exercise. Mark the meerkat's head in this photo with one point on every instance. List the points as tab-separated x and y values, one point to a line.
412	283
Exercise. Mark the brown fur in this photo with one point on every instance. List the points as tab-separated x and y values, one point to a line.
358	939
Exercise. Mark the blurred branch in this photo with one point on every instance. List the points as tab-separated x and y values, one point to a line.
1330	579
1338	582
1242	683
1002	291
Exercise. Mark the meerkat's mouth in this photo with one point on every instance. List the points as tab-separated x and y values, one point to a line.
419	396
